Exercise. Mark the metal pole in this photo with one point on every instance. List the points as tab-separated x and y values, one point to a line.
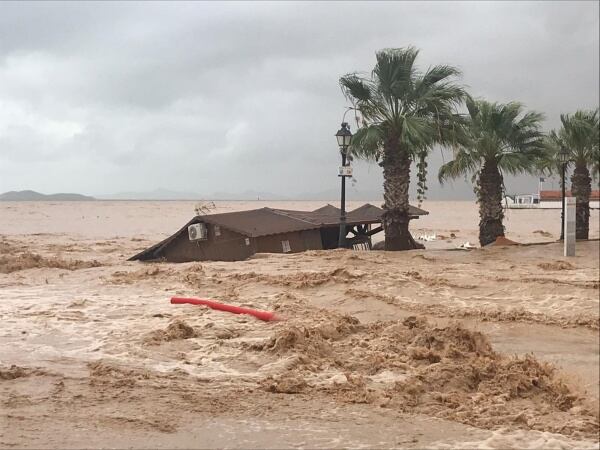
562	213
342	237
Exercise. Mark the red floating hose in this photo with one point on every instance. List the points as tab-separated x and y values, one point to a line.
262	315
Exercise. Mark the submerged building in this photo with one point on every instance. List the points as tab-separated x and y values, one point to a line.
553	199
548	199
237	235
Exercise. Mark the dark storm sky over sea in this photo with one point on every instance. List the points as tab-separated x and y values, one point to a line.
202	97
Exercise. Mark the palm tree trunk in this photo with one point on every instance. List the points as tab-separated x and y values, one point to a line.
396	180
489	197
581	187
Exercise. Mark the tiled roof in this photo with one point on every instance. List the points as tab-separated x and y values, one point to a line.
557	195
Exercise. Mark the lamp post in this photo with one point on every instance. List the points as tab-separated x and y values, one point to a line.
344	138
563	158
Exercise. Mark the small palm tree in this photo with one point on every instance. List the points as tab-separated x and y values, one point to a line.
403	114
501	138
580	135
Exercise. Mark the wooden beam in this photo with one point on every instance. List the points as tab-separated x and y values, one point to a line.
374	231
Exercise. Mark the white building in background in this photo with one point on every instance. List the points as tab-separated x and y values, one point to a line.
553	199
545	199
522	201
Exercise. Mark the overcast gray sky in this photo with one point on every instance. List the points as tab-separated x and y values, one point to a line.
106	97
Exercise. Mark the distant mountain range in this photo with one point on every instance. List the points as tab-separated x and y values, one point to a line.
31	196
156	194
352	194
165	194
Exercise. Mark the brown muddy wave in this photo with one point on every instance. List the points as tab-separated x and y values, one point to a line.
516	314
14	258
412	366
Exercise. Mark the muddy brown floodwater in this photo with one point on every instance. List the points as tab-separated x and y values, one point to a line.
436	348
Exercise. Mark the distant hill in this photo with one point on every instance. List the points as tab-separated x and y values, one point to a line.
156	194
352	193
32	196
166	194
247	195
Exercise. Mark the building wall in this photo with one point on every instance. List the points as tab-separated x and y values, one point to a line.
299	241
330	237
229	246
546	204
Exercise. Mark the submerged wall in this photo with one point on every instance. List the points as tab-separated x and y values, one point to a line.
299	241
228	246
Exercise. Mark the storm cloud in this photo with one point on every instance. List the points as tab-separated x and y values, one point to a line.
203	97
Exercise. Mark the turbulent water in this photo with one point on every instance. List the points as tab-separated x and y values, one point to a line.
440	348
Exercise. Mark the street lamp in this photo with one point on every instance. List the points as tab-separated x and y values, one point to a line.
344	139
563	158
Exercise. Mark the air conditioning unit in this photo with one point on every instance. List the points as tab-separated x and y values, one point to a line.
197	232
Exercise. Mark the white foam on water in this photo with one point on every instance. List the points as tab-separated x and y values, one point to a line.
388	377
521	439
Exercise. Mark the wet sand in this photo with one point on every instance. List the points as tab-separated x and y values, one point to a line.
436	348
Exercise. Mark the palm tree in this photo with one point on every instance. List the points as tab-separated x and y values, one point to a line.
501	138
580	135
403	114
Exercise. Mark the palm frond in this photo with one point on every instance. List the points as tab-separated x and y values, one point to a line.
417	111
580	134
472	107
500	134
464	163
394	71
438	73
517	163
355	87
367	143
548	163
